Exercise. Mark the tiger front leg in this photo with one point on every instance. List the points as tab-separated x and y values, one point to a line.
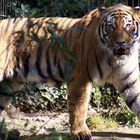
131	94
78	99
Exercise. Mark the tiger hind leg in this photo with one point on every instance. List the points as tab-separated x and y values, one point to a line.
8	89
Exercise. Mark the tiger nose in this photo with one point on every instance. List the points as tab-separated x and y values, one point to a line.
120	43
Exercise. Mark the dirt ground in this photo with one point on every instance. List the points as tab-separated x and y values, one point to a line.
39	125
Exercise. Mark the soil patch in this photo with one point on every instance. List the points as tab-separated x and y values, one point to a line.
50	125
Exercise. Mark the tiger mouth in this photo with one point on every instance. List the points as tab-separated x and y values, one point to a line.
121	51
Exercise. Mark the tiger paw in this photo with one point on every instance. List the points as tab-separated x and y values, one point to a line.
82	136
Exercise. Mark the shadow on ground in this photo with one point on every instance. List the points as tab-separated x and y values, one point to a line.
96	136
58	136
115	136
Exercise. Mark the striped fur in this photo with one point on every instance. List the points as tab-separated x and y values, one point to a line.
104	44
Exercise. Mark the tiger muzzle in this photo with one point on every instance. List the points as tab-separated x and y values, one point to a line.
122	48
121	51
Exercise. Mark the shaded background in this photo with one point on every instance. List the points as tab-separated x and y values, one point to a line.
70	8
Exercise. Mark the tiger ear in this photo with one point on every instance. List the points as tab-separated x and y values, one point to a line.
102	9
137	10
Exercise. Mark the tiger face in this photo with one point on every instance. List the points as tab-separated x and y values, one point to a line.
119	30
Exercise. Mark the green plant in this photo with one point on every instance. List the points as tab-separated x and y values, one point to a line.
38	96
108	103
69	8
99	122
105	96
96	97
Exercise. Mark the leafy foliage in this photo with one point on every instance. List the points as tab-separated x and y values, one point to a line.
105	96
109	104
65	8
38	96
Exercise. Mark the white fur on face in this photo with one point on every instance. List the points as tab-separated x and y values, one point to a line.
127	20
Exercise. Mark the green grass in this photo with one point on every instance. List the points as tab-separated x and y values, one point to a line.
98	122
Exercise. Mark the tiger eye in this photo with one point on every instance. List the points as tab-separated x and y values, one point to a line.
110	27
128	26
131	28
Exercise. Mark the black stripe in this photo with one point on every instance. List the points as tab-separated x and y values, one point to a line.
88	70
127	86
17	67
61	74
38	55
98	66
17	59
79	33
128	74
89	75
82	43
104	31
15	72
83	28
137	29
55	58
68	29
7	94
70	81
1	107
49	70
63	23
26	59
130	103
69	35
99	31
109	61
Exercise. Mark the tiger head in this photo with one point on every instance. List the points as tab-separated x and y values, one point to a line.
119	28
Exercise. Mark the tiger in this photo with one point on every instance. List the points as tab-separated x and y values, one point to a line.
101	47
